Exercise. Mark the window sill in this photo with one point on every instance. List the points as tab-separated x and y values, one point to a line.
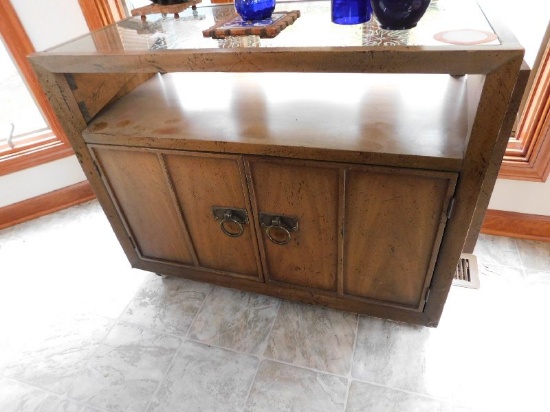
43	150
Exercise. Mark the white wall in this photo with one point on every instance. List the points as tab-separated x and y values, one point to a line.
47	23
521	197
38	180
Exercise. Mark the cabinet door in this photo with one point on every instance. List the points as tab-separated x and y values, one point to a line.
310	194
140	190
202	182
394	222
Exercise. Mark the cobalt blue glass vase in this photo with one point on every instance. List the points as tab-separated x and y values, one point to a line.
350	11
255	9
399	14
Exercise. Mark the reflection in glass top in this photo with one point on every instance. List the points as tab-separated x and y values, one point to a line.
446	22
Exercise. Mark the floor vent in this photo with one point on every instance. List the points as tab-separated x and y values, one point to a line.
467	274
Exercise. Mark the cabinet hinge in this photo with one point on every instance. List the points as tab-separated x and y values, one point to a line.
450	208
427	295
97	168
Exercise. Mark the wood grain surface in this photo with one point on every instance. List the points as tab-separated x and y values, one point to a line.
393	227
202	182
414	120
141	192
310	193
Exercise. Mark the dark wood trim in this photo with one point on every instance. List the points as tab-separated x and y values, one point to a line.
516	225
45	204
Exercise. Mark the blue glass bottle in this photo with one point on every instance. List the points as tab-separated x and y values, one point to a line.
350	11
255	9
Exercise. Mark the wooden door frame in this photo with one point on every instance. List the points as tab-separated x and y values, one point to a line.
528	153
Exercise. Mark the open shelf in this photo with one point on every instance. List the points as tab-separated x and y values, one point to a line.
415	120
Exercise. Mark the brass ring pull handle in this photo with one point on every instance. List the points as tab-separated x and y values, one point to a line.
278	227
228	217
231	217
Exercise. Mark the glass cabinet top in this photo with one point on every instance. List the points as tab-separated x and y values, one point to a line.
446	23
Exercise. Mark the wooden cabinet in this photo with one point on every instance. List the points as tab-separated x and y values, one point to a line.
327	166
370	233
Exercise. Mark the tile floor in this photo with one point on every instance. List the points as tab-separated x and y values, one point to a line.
82	332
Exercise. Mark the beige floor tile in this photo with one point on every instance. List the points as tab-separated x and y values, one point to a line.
68	263
534	255
462	408
280	387
500	282
204	378
537	293
235	320
496	345
53	355
167	304
400	356
18	397
484	390
314	337
497	250
366	397
125	370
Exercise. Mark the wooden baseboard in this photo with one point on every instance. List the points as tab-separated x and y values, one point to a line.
517	225
44	204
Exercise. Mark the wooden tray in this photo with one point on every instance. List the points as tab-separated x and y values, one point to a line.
158	9
268	28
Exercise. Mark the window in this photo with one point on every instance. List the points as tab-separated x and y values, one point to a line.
20	115
528	153
44	141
